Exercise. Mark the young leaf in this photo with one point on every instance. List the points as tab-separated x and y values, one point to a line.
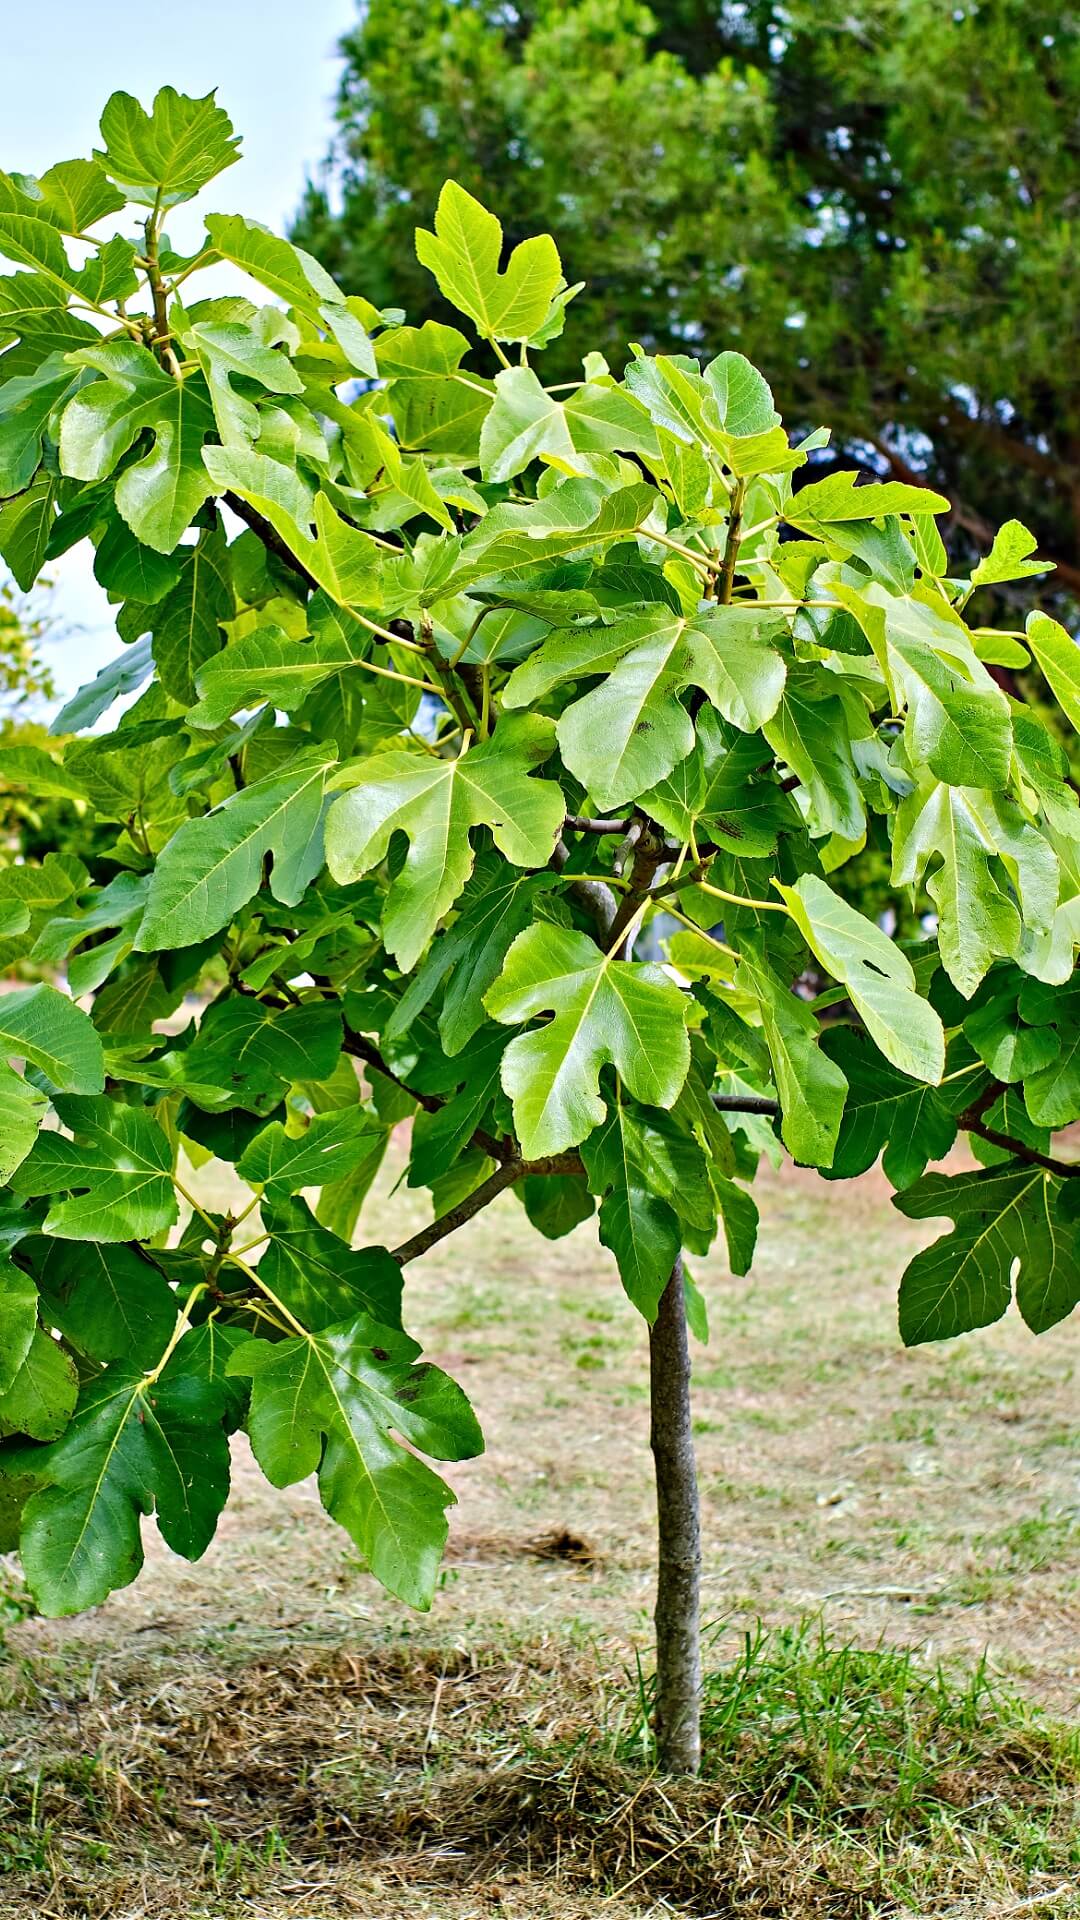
160	494
877	975
840	497
436	803
606	1012
463	254
165	156
1008	558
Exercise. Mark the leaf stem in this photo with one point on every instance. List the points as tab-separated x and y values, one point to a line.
194	1204
686	553
252	1274
183	1322
720	945
741	900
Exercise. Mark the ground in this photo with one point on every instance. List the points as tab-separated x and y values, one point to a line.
265	1735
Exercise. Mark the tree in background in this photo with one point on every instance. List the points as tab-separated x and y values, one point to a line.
874	199
25	679
29	828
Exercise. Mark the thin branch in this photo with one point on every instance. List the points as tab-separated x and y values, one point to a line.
505	1176
1064	1169
361	1048
745	1103
269	536
481	1196
649	853
581	823
593	896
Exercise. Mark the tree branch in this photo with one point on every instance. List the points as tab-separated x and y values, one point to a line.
970	1122
505	1176
745	1103
481	1196
580	823
360	1048
269	536
649	853
731	545
597	900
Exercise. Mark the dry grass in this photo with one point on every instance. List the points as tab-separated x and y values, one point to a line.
317	1781
265	1735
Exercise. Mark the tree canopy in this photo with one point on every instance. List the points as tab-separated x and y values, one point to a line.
873	199
438	692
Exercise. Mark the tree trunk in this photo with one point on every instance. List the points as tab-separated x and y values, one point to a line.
677	1721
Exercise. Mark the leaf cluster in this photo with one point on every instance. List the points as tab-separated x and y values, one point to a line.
478	754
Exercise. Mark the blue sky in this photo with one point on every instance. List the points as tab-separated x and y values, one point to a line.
274	65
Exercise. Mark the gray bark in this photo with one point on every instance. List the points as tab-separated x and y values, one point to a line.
677	1721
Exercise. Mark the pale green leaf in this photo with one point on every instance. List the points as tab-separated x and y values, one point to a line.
160	493
165	156
463	254
117	1171
877	975
606	1012
1058	655
838	497
436	804
1009	558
